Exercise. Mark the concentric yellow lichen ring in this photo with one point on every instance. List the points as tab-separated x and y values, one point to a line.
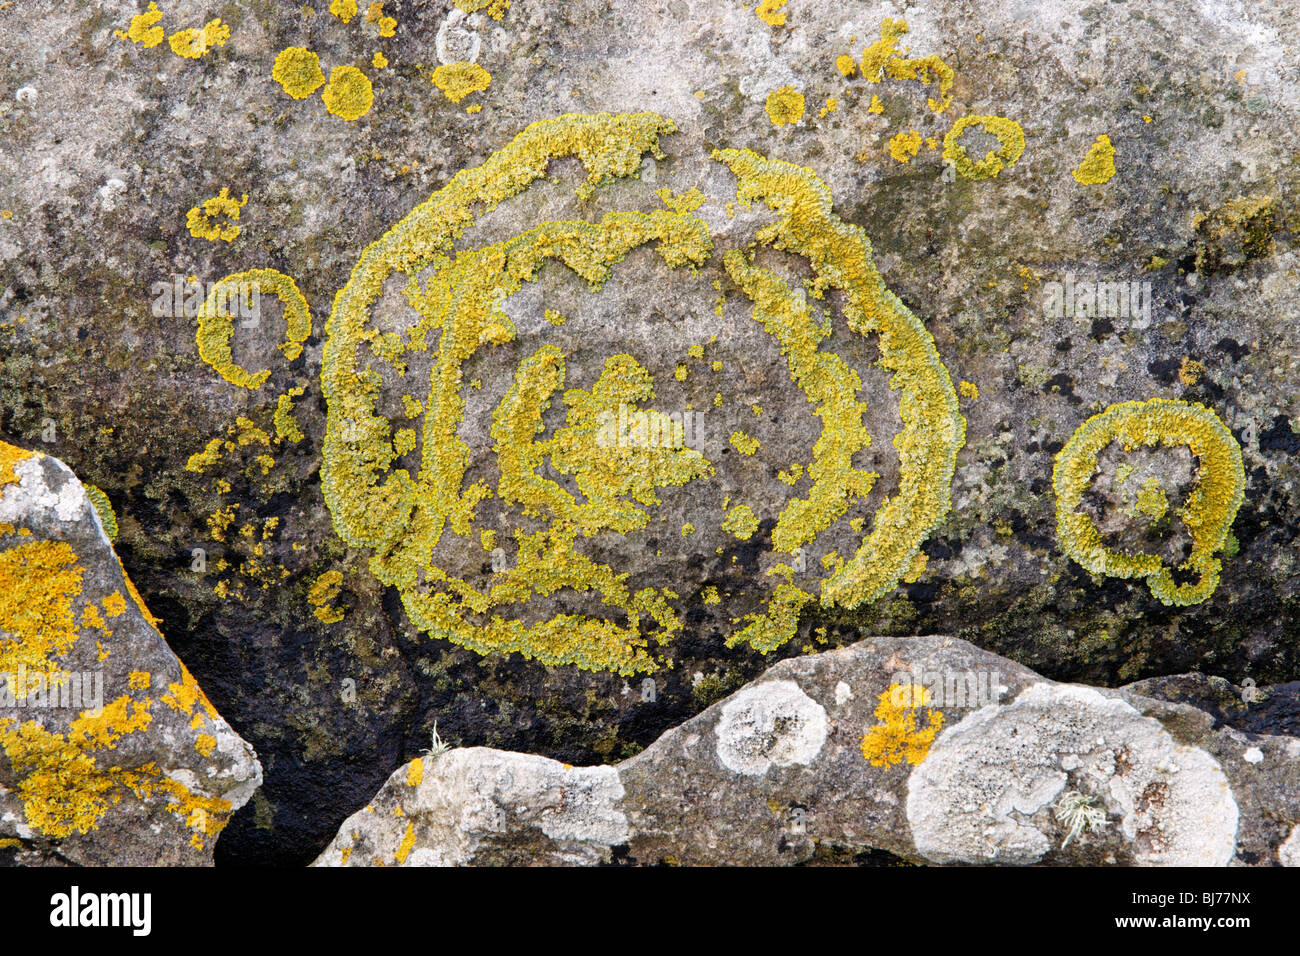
933	429
1208	514
216	326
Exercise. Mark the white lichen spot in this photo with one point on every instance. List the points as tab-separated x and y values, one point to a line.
986	791
773	723
1253	755
843	694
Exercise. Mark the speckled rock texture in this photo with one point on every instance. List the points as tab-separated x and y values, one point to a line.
830	758
110	753
115	157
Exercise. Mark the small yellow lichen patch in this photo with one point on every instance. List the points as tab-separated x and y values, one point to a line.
195	43
379	61
139	680
709	595
904	146
1190	371
846	64
897	738
968	390
407	844
375	14
876	105
323	591
348	93
1099	165
1009	135
882	58
298	71
832	104
1207	515
199	219
205	744
345	10
785	106
114	604
286	426
144	28
741	522
744	443
496	9
772	12
104	508
459	80
415	773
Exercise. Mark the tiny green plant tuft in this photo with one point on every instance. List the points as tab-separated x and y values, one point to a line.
1079	814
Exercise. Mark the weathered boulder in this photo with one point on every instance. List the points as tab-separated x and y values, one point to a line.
110	752
926	750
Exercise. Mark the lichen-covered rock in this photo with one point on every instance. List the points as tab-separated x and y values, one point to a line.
476	807
925	750
110	753
1069	208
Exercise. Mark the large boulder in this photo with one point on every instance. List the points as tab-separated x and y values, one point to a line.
110	752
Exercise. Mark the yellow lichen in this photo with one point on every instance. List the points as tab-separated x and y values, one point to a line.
1099	165
216	327
882	58
772	12
459	80
415	772
740	522
195	43
969	390
322	592
744	443
846	65
144	28
496	9
345	10
379	61
286	426
903	146
785	106
897	737
348	93
1010	137
199	219
933	429
1207	515
104	508
375	14
298	71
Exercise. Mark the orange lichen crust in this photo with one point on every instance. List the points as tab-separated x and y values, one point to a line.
216	325
1207	515
404	517
897	737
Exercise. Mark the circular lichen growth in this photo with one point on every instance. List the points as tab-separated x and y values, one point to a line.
216	326
298	72
1011	138
349	93
785	106
1207	515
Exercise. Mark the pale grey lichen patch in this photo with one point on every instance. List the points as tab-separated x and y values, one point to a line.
45	484
983	793
773	723
1288	854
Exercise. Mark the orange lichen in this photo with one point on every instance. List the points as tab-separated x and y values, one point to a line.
897	737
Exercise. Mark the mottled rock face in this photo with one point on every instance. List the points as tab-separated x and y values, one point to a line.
1076	208
110	753
924	750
